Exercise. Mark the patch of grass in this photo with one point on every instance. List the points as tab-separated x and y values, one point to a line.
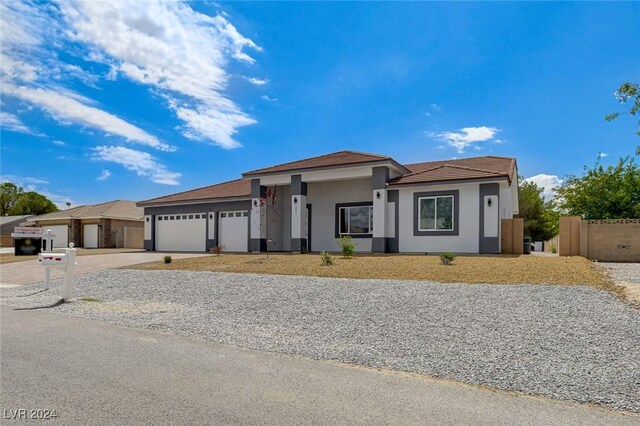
476	269
447	258
89	299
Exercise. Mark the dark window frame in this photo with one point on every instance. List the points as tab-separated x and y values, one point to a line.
456	213
337	218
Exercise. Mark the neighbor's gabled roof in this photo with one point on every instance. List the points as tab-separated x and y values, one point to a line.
340	158
117	209
239	188
458	169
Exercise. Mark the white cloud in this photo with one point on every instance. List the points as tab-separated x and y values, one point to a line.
177	51
106	174
435	107
12	123
30	183
547	182
142	163
467	136
58	143
256	81
602	154
268	99
66	107
23	180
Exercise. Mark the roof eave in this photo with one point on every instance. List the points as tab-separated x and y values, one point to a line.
452	181
193	201
257	174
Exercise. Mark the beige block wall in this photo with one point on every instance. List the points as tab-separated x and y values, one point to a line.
6	241
512	236
611	240
127	233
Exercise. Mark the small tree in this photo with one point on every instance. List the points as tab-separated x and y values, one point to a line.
540	217
33	203
9	194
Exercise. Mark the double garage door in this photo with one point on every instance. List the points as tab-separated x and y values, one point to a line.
188	232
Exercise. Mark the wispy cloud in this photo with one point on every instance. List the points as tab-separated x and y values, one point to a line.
268	99
36	184
58	143
602	154
12	123
106	174
547	182
142	163
67	108
23	180
467	137
180	53
256	81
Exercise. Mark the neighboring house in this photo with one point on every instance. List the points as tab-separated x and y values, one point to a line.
438	206
116	223
7	223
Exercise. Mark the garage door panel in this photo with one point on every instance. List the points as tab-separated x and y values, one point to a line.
183	232
234	231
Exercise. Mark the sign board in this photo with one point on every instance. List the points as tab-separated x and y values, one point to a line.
27	246
27	230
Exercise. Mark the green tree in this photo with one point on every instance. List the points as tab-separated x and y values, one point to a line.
611	192
33	203
628	92
540	218
9	194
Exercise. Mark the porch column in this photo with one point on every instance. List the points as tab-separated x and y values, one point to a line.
379	181
258	237
298	211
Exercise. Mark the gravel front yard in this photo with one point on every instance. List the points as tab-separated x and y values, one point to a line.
568	342
625	275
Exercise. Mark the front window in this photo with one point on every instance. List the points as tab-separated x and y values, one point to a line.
356	220
436	213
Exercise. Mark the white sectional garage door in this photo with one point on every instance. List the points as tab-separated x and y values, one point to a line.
234	231
90	236
61	240
181	232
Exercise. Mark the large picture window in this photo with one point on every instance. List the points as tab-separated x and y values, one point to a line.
436	213
355	220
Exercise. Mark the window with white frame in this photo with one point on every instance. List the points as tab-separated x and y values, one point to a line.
435	213
355	220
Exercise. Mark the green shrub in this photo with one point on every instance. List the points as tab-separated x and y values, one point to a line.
167	259
347	245
553	248
446	258
326	257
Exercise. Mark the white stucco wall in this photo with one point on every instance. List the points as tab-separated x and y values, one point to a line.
467	239
323	197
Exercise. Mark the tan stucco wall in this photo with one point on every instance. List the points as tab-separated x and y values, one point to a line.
610	240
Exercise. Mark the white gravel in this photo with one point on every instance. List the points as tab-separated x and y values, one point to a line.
568	342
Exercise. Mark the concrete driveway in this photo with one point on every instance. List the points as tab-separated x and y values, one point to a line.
30	272
95	373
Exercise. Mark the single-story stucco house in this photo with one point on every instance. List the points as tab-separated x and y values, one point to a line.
114	224
387	207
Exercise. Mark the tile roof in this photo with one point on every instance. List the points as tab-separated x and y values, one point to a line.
117	209
458	169
231	189
334	159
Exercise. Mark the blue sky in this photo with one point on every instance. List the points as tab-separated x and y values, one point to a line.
133	100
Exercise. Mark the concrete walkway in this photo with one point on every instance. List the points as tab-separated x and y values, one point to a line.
95	373
29	272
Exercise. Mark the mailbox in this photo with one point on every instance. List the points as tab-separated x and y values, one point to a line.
52	259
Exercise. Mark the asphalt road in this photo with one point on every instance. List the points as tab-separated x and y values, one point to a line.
94	373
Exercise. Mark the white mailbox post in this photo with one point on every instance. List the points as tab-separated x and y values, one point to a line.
65	261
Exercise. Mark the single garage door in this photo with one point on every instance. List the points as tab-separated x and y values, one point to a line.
181	232
90	236
234	231
61	232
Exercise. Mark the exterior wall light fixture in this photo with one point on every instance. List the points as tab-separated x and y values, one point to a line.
489	202
295	200
378	195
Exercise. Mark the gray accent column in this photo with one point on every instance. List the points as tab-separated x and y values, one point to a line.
393	244
379	179
488	244
149	245
256	242
299	193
